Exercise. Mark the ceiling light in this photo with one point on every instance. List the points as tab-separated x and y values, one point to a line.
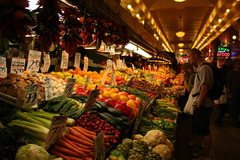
214	26
211	30
138	15
180	50
180	44
143	22
180	33
234	37
129	6
208	34
179	0
227	10
219	20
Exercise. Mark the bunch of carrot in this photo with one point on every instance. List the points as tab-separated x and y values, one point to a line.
77	144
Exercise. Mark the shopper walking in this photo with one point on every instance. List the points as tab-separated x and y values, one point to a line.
233	85
201	102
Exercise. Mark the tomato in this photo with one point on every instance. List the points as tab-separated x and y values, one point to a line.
123	94
133	97
123	98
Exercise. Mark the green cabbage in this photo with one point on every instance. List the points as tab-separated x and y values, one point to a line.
32	151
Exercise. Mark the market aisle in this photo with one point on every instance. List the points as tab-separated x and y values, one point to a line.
225	139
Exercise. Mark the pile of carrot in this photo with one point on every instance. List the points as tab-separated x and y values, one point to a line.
77	144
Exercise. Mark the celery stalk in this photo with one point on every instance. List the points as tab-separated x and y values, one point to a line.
25	117
33	128
44	115
45	122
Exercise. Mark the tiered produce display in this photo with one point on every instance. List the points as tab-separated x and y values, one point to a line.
114	112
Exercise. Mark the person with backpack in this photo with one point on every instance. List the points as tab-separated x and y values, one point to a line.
233	85
202	102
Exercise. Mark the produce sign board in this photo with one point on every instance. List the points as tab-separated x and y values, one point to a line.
17	66
31	96
86	63
34	58
57	126
46	62
91	99
11	100
138	120
87	83
64	60
77	59
48	88
3	68
99	147
69	87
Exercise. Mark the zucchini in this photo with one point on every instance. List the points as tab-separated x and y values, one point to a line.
124	118
103	104
80	97
99	107
114	112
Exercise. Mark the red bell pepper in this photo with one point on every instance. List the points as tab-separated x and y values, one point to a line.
110	102
124	109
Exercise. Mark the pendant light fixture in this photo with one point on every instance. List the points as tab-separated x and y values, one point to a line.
180	45
180	33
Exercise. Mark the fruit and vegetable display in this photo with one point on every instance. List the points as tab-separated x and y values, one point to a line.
114	113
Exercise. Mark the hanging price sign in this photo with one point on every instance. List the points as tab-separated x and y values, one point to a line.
3	67
46	62
69	87
86	63
48	88
77	59
64	60
31	96
34	58
87	83
57	127
99	147
17	66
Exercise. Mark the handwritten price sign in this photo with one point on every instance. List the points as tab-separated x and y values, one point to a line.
99	147
48	88
46	62
86	63
17	66
69	86
57	127
31	95
77	59
3	68
34	58
64	60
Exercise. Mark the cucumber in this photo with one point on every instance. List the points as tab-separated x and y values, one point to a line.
80	97
124	118
99	107
114	112
103	104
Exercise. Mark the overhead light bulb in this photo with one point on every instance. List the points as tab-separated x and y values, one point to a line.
180	50
211	30
234	37
138	15
143	22
179	0
180	44
180	34
129	6
219	20
227	10
214	26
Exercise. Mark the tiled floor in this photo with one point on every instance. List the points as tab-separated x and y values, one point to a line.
225	140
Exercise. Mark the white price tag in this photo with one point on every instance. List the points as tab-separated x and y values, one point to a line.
77	59
31	96
133	67
104	76
114	66
113	79
87	83
69	86
46	62
17	66
3	67
86	63
34	58
57	127
109	64
48	88
64	60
